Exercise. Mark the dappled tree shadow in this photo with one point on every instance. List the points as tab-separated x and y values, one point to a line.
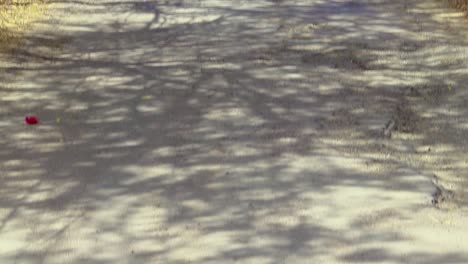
199	131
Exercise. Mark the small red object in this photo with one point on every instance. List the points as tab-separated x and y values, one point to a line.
31	120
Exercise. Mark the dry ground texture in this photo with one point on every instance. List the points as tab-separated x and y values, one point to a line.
216	131
15	17
459	4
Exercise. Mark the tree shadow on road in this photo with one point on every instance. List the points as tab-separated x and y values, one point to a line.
195	132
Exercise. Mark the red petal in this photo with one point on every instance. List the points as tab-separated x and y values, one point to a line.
31	120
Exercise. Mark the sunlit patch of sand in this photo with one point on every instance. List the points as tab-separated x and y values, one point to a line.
16	16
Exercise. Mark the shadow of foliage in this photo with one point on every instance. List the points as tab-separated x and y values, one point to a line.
212	132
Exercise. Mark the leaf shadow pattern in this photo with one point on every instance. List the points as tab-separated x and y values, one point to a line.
197	132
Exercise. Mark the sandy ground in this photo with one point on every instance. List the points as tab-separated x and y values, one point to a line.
217	131
15	18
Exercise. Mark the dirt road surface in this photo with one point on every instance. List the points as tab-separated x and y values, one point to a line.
215	131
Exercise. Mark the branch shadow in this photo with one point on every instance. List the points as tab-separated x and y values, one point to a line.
207	132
